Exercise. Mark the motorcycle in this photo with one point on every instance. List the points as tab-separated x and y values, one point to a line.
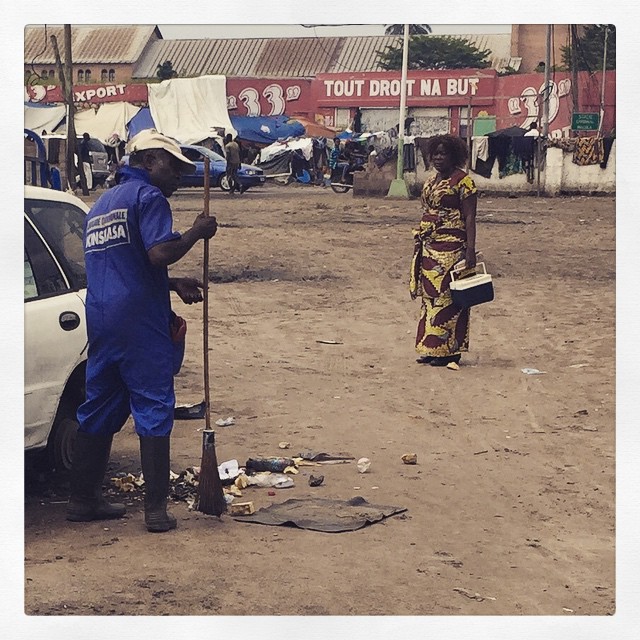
341	179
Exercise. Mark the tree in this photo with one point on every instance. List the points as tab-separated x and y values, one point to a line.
590	48
165	71
436	52
414	29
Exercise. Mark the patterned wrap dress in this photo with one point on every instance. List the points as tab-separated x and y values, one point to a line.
440	243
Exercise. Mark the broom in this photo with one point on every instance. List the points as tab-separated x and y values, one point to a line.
210	494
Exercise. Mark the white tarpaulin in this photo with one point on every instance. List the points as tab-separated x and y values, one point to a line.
47	118
190	109
305	144
111	117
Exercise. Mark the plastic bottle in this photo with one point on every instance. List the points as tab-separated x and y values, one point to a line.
269	464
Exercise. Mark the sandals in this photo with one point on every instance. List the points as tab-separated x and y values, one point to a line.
443	362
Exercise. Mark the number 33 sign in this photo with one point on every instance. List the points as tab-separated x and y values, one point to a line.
274	94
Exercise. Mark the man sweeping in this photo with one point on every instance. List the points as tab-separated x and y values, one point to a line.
136	342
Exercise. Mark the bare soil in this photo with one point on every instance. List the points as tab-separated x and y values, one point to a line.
510	508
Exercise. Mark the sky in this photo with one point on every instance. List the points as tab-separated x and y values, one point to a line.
196	31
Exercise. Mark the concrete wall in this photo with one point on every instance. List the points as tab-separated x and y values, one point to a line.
589	178
529	41
560	176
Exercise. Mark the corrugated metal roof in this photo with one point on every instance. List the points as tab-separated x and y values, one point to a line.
116	44
362	53
288	57
498	43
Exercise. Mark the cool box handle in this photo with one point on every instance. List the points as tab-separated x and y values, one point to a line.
457	272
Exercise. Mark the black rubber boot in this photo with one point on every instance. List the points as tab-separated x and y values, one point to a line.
154	455
90	458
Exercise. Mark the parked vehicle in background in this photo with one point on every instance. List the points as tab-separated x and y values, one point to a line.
97	152
55	335
248	175
99	161
37	170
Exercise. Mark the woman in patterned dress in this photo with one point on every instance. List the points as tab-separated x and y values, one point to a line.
446	236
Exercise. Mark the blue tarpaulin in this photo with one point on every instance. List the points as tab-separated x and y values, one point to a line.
259	129
142	120
266	129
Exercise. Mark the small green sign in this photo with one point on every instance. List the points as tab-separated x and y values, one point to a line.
585	121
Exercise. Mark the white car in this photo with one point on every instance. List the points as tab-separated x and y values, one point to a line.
54	321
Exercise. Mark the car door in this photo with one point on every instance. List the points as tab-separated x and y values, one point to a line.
55	333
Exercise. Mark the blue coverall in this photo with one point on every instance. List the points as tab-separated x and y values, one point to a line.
131	359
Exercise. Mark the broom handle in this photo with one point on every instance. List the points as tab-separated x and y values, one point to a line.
205	302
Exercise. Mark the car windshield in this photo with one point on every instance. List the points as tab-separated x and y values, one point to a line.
61	225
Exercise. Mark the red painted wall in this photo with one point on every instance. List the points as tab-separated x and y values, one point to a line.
519	101
268	97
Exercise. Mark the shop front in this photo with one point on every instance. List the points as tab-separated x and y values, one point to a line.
435	99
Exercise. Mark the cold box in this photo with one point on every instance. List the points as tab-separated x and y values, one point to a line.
472	290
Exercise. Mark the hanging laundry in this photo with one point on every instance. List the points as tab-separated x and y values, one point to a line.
511	166
409	156
588	151
607	143
524	149
479	149
484	151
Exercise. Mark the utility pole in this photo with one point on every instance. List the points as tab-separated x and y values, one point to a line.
398	187
545	108
66	83
469	128
547	88
574	67
604	77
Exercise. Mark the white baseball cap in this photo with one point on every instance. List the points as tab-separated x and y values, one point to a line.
152	139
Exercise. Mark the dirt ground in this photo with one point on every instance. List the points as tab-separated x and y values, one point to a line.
510	509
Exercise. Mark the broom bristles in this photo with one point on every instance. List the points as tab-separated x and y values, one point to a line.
210	493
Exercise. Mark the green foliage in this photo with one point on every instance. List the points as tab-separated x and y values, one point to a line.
165	71
507	71
414	29
436	52
590	49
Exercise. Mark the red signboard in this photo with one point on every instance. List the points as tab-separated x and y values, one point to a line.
88	94
260	97
424	88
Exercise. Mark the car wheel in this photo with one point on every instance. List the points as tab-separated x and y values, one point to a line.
224	183
61	442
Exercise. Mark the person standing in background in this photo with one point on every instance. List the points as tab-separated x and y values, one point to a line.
252	153
533	131
232	155
85	159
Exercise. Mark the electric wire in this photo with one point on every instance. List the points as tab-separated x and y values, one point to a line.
31	81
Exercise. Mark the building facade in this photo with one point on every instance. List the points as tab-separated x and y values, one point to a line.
336	82
101	54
